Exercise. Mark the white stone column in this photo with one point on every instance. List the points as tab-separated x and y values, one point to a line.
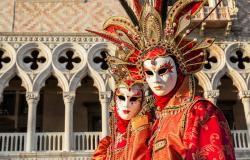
1	97
212	3
212	95
32	99
104	99
245	98
69	98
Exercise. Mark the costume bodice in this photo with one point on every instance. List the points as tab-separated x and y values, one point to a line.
191	128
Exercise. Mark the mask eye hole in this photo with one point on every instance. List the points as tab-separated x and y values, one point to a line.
162	71
149	73
133	99
121	98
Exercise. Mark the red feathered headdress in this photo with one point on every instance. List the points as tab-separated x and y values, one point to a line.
150	30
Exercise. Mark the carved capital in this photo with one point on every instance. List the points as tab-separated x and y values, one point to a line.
69	97
105	96
244	94
32	97
211	94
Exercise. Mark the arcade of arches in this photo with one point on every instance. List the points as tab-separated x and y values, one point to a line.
50	108
87	108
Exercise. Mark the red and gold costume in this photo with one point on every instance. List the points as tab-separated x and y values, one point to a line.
187	127
130	147
128	138
190	128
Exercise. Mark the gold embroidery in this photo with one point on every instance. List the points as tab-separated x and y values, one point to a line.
202	153
160	144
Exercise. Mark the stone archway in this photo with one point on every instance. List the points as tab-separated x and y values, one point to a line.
14	108
87	107
231	105
52	110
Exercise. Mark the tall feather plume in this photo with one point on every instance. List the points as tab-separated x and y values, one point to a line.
130	12
164	11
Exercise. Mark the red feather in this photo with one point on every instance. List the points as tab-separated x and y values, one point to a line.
158	5
138	7
196	7
112	39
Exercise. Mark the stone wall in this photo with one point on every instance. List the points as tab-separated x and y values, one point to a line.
241	26
62	16
6	15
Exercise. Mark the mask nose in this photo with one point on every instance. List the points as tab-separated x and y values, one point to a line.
156	78
126	103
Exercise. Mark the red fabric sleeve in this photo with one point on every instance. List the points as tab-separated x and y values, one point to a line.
102	149
207	134
139	144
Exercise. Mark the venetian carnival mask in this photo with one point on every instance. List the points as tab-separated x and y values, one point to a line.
161	75
128	101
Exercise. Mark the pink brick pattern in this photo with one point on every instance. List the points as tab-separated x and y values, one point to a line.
64	16
6	15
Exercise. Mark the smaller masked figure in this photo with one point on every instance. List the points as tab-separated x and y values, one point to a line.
129	122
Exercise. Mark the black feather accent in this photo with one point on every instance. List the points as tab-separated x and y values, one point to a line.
164	11
130	12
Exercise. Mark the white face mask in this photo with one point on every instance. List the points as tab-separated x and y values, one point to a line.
128	101
161	75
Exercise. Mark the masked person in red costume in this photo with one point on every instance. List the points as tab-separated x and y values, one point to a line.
129	123
187	126
130	129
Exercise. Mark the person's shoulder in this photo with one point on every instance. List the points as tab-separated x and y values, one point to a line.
203	109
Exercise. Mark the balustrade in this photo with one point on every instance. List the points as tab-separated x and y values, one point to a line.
241	139
86	141
12	142
220	14
83	141
51	141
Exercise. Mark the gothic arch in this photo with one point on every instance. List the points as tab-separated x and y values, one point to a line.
217	76
220	55
238	80
99	75
95	51
99	82
231	52
204	82
8	72
33	80
69	80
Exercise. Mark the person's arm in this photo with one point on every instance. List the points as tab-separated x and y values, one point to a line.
102	149
207	135
140	136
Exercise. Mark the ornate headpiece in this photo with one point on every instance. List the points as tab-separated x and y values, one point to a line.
151	29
